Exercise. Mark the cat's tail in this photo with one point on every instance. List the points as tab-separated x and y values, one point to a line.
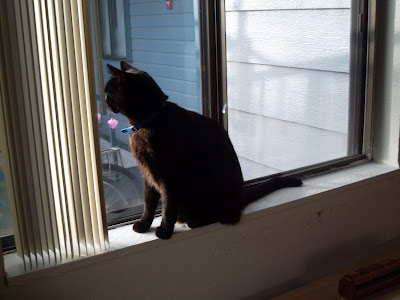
255	192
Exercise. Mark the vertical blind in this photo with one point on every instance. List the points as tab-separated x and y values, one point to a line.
48	132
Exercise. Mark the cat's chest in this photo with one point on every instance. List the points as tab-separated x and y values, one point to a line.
141	147
145	156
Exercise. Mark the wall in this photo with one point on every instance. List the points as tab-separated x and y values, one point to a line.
163	44
387	119
288	77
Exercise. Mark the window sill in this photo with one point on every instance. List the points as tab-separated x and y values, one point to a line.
124	236
124	241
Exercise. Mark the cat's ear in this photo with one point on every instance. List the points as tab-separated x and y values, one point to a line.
125	66
116	72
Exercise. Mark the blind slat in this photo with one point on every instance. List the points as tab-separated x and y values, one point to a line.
21	158
67	200
89	108
33	132
47	102
89	216
75	210
6	136
47	93
83	183
86	117
40	137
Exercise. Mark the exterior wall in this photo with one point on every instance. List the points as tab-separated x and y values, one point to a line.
288	77
163	43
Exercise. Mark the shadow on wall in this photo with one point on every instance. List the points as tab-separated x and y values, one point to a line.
387	70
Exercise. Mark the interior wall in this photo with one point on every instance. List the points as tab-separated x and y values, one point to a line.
387	91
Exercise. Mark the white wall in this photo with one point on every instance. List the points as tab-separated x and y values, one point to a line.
288	78
387	119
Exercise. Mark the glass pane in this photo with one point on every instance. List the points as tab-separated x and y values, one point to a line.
118	30
103	12
288	82
5	217
164	43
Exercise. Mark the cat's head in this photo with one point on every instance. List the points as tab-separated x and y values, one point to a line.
132	92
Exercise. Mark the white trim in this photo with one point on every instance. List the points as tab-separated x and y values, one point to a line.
314	191
323	230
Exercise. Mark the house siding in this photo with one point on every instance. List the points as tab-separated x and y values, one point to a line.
163	43
288	81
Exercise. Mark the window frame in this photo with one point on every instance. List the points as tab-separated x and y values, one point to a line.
214	86
362	54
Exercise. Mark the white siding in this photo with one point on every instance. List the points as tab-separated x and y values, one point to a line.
251	169
164	45
282	145
236	5
312	98
288	82
311	39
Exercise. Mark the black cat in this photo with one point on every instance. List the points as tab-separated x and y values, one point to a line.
187	160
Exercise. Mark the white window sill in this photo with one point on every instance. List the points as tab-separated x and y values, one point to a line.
124	236
123	240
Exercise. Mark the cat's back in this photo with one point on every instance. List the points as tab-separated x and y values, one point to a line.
202	132
205	167
199	142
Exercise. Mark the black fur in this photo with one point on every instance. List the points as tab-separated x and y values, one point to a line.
187	160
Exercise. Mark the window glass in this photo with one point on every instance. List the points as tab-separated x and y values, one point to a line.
164	43
290	72
5	218
112	28
287	82
104	16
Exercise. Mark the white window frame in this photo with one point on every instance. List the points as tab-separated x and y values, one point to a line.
361	96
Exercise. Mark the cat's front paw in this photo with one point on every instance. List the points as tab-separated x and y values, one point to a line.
141	227
164	233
